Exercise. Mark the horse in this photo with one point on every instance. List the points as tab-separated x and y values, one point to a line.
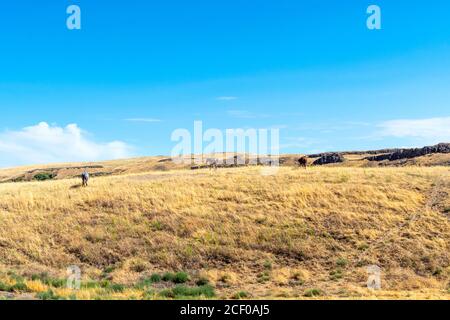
303	162
212	163
85	178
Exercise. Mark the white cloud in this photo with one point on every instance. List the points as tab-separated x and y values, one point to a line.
44	143
226	98
148	120
435	129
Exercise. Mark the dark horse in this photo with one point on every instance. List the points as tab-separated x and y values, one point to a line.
303	162
85	178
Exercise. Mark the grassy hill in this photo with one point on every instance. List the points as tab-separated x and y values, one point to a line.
60	171
154	230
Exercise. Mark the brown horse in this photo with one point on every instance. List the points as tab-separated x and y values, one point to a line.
303	162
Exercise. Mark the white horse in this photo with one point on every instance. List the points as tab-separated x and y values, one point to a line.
85	178
212	163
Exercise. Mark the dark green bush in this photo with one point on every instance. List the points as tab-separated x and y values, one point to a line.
168	277
42	176
181	277
155	278
116	287
202	282
19	287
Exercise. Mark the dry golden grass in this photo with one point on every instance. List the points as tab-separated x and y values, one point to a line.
270	236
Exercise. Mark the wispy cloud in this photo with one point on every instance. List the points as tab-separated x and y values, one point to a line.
436	129
148	120
43	143
227	98
244	114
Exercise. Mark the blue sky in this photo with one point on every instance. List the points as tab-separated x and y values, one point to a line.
137	70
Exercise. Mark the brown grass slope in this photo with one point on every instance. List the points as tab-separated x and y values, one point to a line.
60	171
271	236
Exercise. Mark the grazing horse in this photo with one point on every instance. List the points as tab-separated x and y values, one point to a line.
303	162
212	163
85	178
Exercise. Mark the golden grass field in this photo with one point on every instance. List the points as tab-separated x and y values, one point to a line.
299	234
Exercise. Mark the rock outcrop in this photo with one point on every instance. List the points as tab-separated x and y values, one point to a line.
329	158
411	153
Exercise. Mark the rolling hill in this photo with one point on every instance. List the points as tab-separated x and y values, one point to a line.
149	229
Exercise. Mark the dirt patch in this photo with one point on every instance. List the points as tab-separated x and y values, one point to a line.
14	296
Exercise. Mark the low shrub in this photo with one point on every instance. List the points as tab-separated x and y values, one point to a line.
181	277
49	295
341	262
168	277
48	280
182	291
202	282
312	293
241	295
42	176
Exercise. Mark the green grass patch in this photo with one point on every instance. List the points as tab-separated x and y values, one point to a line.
336	274
17	287
104	284
109	269
241	295
178	278
181	277
264	277
43	176
50	281
147	282
268	265
157	226
90	285
115	287
363	246
181	291
311	293
4	287
168	277
341	262
49	295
